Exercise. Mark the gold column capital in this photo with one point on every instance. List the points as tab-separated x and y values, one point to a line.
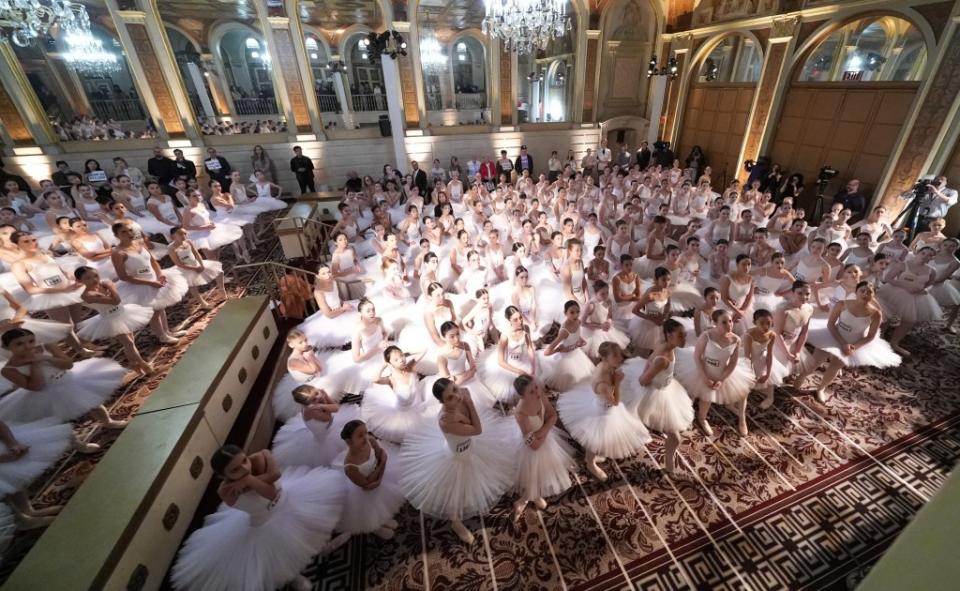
134	17
401	26
279	22
784	28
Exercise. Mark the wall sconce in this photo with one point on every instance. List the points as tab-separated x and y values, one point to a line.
336	66
672	69
389	42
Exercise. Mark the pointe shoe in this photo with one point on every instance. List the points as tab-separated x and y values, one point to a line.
594	469
336	542
705	427
179	333
385	533
600	459
169	340
114	424
29	522
90	352
821	396
301	583
145	370
742	429
46	511
518	510
88	448
767	401
541	503
462	532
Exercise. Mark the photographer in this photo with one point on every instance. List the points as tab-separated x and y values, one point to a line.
852	199
934	203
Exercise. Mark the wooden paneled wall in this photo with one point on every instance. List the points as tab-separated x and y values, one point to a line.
952	171
715	118
853	128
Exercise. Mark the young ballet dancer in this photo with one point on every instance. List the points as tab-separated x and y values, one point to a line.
396	404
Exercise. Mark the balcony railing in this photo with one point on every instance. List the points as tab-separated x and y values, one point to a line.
328	103
434	102
256	106
471	101
369	102
119	109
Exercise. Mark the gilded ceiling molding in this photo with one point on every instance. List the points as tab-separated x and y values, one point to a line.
784	28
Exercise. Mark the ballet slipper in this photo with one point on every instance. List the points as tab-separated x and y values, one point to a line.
144	369
336	542
90	352
87	448
821	395
114	424
518	509
29	522
767	400
595	470
541	503
742	427
169	340
301	583
46	511
705	427
600	459
385	533
462	532
178	333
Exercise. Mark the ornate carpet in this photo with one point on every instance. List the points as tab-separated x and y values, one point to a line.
809	500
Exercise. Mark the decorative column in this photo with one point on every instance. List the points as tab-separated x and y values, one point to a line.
774	80
535	110
492	56
391	84
506	88
216	85
936	106
296	38
22	114
287	81
342	89
680	46
658	95
197	77
591	77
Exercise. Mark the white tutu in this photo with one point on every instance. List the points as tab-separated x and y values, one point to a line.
157	298
876	353
685	296
66	395
909	307
392	419
262	204
610	431
220	236
415	338
312	443
596	337
366	511
45	331
240	551
354	377
778	369
118	320
40	302
946	294
561	371
449	484
211	270
544	472
499	381
667	409
46	439
645	334
734	389
285	407
331	332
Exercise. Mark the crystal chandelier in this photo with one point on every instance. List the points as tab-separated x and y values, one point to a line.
27	20
431	53
526	25
87	55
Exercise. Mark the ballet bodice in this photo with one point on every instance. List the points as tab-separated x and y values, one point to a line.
917	280
571	339
263	189
458	365
47	274
663	378
655	307
106	310
202	215
809	273
590	241
185	253
332	298
535	422
794	319
137	202
617	249
716	357
409	393
766	285
625	287
719	231
138	264
516	350
758	352
495	257
344	260
858	260
457	443
257	507
839	294
317	428
441	315
576	280
941	266
525	302
413	231
557	261
93	242
656	249
481	322
600	313
367	466
474	279
49	372
852	328
739	291
369	341
91	208
167	211
834	235
706	322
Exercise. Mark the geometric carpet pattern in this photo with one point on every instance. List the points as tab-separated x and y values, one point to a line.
810	500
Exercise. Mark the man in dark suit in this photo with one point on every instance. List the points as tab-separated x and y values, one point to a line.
218	169
643	156
419	180
161	167
302	167
852	199
524	161
182	166
9	176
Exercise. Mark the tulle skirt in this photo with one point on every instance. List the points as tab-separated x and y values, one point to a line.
561	371
46	331
46	439
645	267
354	377
87	385
366	511
946	294
414	338
285	407
220	236
544	472
597	336
449	485
389	419
40	302
667	409
211	270
127	321
734	389
645	334
295	444
331	332
230	553
261	205
909	307
610	431
498	380
876	353
685	296
158	298
778	370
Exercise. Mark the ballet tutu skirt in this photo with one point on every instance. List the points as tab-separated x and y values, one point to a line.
561	371
498	380
354	377
331	332
414	338
877	353
312	443
218	237
946	294
646	334
905	306
450	477
47	440
40	302
266	544
211	270
8	527
778	370
157	298
392	419
285	407
46	332
734	389
237	216
395	312
544	472
597	336
610	431
115	320
260	205
645	267
665	409
366	511
66	394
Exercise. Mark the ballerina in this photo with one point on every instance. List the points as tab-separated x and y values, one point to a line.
53	386
195	269
895	248
456	362
944	288
758	346
515	355
460	466
478	323
662	402
545	459
95	251
861	254
333	324
371	483
791	322
344	262
627	291
437	310
360	364
849	340
771	283
269	527
395	405
144	283
736	290
650	311
906	295
304	366
13	314
716	373
563	362
209	236
161	207
596	418
311	437
114	318
598	324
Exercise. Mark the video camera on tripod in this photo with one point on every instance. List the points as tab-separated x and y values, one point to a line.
913	212
827	173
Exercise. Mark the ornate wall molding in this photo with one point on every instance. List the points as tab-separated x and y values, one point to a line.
287	62
766	92
154	79
784	28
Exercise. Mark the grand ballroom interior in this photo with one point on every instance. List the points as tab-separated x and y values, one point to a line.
479	295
